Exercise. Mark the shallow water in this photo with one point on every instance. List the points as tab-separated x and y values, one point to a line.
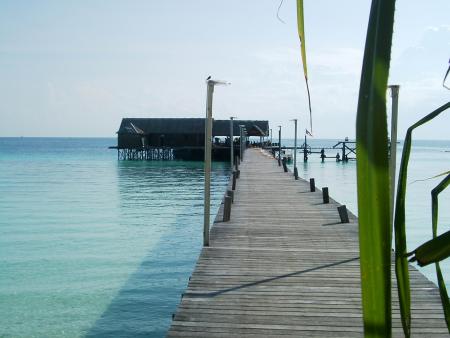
428	158
92	246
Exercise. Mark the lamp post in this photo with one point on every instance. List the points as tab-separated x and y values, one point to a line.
295	150
393	149
231	141
244	134
240	143
279	146
241	137
208	139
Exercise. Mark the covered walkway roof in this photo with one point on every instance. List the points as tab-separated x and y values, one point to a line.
147	126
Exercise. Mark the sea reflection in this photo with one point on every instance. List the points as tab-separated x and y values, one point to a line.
165	199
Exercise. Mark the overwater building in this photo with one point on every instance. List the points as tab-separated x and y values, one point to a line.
182	138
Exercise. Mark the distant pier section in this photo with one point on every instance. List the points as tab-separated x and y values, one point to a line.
346	150
182	138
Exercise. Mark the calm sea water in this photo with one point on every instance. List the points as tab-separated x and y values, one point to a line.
428	158
92	246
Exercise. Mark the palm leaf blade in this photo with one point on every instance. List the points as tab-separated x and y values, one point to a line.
434	215
433	251
401	262
373	173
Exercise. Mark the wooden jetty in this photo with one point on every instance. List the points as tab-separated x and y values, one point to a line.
285	266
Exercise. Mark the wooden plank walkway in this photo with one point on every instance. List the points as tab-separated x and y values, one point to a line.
285	267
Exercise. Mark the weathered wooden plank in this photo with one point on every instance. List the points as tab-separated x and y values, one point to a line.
284	265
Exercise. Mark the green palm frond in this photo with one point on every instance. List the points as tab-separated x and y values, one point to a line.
373	173
401	262
437	249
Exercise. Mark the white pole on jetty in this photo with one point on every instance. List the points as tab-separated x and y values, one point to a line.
231	142
208	143
279	145
241	140
393	148
244	133
295	150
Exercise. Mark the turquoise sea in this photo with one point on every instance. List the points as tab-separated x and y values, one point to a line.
90	246
95	247
428	158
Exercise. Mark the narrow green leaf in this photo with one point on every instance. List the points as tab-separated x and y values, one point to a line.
373	173
433	251
301	35
432	177
401	262
445	77
444	295
434	217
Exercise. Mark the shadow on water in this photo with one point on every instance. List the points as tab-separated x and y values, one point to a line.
144	305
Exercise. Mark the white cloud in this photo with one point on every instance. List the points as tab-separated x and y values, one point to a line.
338	61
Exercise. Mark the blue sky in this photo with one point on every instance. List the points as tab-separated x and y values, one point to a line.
75	68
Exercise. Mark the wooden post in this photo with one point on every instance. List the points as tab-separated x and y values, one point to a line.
208	146
227	209
279	146
325	196
238	173
240	143
233	186
393	147
285	165
305	151
343	214
208	140
231	194
312	184
231	142
295	151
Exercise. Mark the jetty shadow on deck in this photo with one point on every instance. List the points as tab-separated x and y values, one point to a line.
267	280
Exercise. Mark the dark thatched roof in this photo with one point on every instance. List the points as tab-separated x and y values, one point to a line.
146	126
